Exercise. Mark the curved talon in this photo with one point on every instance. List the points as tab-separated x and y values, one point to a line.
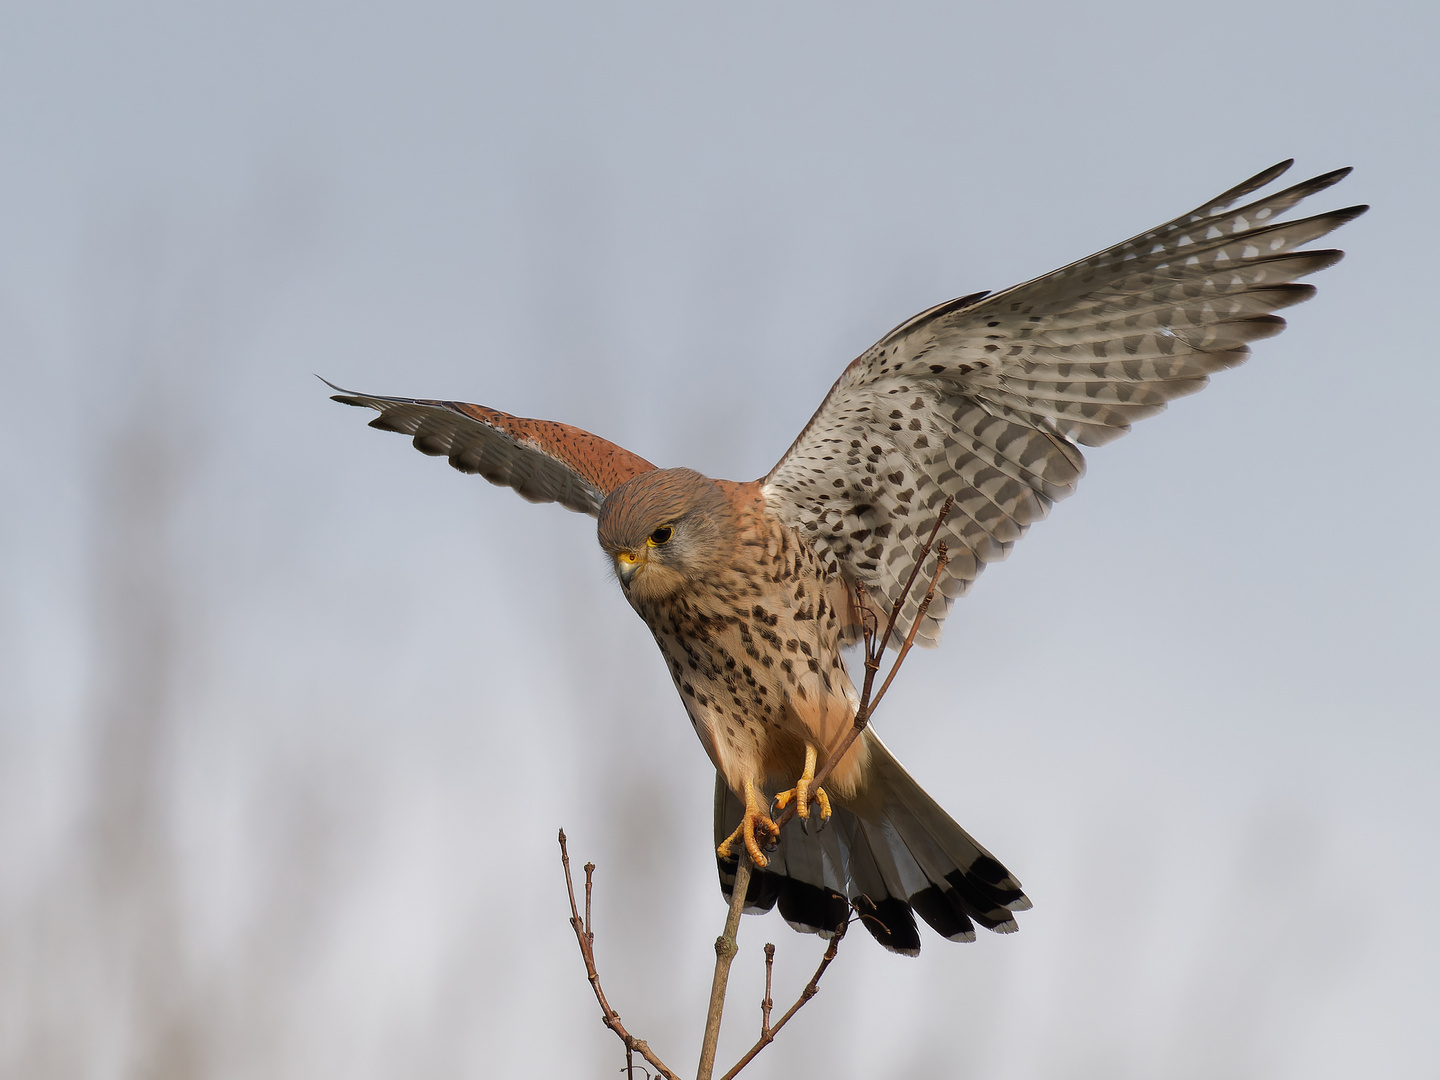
801	794
802	797
755	820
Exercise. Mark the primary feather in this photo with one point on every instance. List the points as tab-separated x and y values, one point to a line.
987	400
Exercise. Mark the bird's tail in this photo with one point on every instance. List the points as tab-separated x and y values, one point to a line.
889	852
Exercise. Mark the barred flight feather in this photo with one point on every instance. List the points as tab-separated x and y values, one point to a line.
541	460
987	399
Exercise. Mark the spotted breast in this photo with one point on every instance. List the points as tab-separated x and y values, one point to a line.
754	649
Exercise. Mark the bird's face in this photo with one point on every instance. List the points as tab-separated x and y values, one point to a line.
665	531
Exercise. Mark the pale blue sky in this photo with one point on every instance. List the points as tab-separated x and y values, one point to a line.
1196	713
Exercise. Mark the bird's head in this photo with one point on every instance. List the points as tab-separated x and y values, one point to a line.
665	530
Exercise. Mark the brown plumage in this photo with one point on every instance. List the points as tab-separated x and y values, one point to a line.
746	619
980	403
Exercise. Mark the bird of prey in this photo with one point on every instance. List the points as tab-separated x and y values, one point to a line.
979	405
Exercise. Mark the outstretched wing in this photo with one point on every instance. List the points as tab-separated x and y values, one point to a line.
542	460
986	399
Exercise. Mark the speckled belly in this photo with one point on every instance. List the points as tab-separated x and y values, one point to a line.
755	656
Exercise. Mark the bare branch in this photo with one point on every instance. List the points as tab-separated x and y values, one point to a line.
767	1033
875	649
945	509
869	627
589	889
767	1004
725	950
942	557
585	937
868	704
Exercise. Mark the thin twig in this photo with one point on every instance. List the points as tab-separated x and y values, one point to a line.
585	937
725	950
869	625
942	558
875	650
767	1004
945	509
589	890
767	1033
867	707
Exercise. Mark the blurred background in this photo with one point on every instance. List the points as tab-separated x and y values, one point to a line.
290	714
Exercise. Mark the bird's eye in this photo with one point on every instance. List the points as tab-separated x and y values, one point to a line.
660	536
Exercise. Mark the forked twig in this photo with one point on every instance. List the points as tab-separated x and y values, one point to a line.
942	559
585	938
873	657
725	949
875	649
768	1033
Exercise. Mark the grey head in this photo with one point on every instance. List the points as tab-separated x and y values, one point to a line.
665	531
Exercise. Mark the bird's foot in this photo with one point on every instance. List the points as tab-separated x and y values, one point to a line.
802	795
755	829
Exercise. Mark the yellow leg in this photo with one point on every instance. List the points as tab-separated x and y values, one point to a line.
801	793
755	820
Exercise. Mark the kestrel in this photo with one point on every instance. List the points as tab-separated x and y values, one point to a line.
750	589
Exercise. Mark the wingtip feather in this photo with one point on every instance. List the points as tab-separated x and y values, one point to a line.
345	397
1261	179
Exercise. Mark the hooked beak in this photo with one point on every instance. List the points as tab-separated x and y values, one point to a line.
626	564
